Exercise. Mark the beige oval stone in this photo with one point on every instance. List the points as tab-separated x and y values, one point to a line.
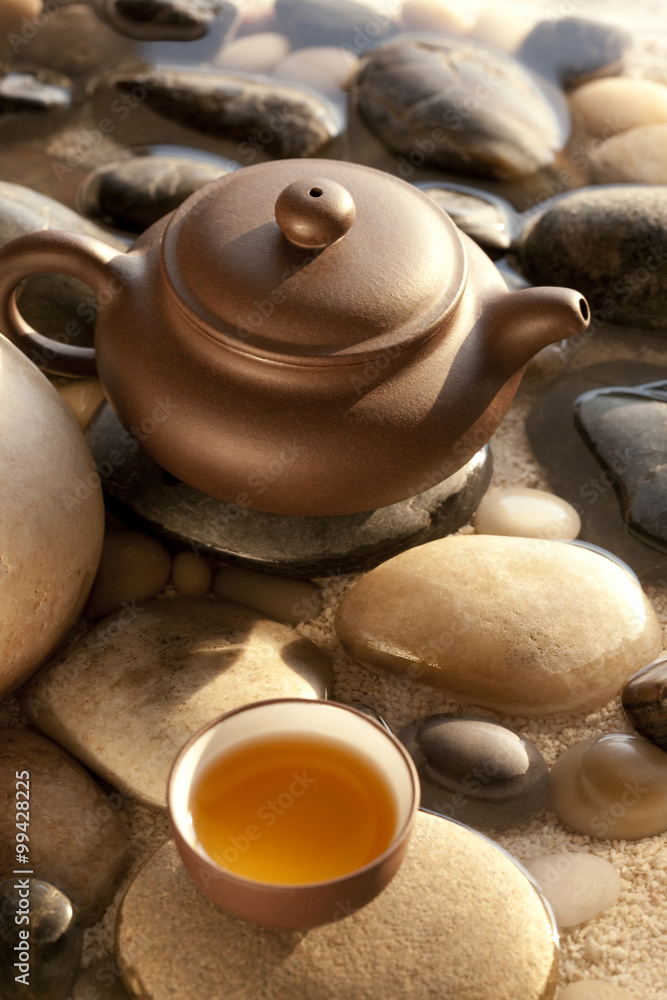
522	626
286	600
594	989
436	15
52	521
459	920
503	25
77	840
133	567
615	104
139	684
257	53
578	886
526	513
326	68
636	156
191	574
83	396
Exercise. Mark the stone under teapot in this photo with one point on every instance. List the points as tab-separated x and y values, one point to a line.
322	337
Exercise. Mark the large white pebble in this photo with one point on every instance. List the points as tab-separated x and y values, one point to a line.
52	518
616	103
526	513
578	886
254	53
593	989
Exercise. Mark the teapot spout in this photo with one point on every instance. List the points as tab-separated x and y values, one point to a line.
521	323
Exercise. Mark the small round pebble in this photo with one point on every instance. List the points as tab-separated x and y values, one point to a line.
638	156
191	574
435	15
578	886
285	600
612	786
83	396
593	989
257	53
501	25
616	104
327	68
526	513
133	567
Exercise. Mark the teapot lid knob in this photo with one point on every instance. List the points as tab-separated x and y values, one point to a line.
314	213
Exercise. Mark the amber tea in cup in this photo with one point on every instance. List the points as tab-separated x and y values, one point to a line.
292	812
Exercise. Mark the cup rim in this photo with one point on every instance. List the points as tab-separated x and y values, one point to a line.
400	836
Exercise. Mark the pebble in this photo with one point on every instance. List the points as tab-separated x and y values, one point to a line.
78	840
576	474
615	104
101	981
489	220
257	53
527	513
83	396
638	156
571	50
521	626
425	102
25	92
612	786
435	15
261	115
501	25
12	12
325	68
158	20
578	886
477	771
609	245
51	942
52	520
594	989
133	567
355	25
135	193
456	897
191	574
645	702
138	488
290	601
130	693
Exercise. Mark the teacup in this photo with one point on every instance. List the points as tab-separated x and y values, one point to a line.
292	813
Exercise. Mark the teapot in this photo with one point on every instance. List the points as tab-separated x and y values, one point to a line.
308	337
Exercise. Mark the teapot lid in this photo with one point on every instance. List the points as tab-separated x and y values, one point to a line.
314	261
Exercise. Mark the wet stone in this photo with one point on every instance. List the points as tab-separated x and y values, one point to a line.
334	22
134	689
572	50
422	99
637	156
24	92
490	221
175	20
611	787
578	886
134	194
142	493
518	625
609	244
475	770
278	119
51	942
595	489
456	897
77	839
645	702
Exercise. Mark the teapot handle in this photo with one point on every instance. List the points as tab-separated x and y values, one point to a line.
73	254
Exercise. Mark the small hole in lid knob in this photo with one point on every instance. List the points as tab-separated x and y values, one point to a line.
315	192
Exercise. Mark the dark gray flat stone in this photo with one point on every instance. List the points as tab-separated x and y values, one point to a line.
142	493
576	474
489	220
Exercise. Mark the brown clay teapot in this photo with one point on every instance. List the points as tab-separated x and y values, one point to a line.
322	337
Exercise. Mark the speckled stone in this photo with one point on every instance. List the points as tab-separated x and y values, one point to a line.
50	940
142	493
638	156
425	102
645	702
473	769
578	886
526	513
489	220
130	693
353	24
261	114
50	538
456	897
609	244
612	786
572	50
78	841
576	475
521	626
